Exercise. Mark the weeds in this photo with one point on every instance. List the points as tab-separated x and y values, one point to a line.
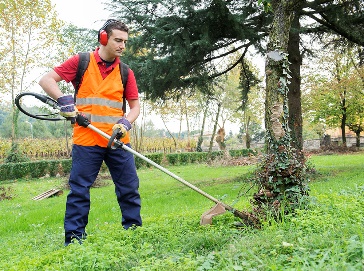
6	193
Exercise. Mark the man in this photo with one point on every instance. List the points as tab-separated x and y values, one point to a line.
100	99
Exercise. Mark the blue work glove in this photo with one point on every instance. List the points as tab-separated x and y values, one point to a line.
67	106
124	125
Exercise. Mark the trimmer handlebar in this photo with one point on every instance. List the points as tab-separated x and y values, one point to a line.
113	143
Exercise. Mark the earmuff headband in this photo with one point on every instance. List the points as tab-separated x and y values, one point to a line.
102	36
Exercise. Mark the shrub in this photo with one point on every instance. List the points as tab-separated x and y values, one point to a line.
172	158
66	165
139	163
53	168
40	168
36	169
15	155
199	156
156	157
184	158
242	152
216	154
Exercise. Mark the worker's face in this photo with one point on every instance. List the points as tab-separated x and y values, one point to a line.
116	43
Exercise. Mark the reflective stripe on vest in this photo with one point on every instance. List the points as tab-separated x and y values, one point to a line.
98	118
101	100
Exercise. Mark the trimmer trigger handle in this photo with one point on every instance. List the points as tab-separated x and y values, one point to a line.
82	120
114	142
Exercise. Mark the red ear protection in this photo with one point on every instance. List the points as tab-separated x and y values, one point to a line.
103	34
103	37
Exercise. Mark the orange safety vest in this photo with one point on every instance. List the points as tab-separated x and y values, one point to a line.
101	100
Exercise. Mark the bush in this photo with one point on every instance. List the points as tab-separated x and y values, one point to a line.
184	158
40	168
173	158
199	157
139	163
36	169
66	165
155	157
15	155
53	168
242	152
216	154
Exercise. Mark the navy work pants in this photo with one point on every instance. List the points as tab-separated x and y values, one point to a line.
86	163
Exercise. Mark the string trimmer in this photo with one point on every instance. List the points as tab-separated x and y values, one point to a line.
50	112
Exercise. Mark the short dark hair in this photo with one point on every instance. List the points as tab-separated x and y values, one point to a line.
112	24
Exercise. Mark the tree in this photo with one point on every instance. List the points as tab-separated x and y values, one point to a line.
215	124
24	27
345	19
251	111
179	43
204	102
281	177
224	96
336	97
177	110
355	120
356	116
184	44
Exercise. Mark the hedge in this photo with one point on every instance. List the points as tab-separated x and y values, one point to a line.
37	169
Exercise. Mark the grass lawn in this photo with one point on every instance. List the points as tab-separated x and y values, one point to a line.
328	235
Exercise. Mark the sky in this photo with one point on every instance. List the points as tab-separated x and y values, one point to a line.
83	13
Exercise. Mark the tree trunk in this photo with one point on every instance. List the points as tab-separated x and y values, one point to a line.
68	148
220	139
14	126
294	93
357	135
276	77
248	138
180	124
281	176
188	125
169	132
343	119
200	139
215	127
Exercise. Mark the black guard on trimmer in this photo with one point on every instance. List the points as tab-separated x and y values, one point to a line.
114	142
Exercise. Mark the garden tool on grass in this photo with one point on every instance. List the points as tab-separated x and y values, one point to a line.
114	143
50	111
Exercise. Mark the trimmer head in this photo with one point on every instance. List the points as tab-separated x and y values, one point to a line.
206	217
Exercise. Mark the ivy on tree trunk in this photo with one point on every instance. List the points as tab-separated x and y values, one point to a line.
281	176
